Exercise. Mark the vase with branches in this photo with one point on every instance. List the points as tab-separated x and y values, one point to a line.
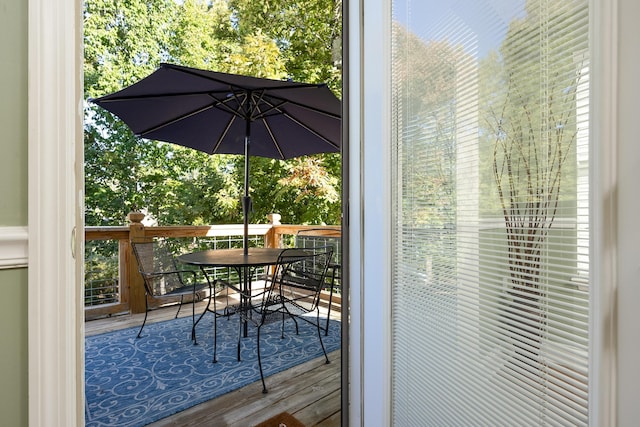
532	148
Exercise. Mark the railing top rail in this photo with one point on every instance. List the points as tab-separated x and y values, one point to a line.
321	230
106	233
122	232
206	230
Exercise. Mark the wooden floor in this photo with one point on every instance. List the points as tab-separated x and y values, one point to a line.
310	392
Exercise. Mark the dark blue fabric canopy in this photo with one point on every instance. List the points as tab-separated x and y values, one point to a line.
209	111
222	113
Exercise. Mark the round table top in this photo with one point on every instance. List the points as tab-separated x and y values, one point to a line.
232	257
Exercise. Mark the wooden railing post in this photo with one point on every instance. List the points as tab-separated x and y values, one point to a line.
271	239
134	279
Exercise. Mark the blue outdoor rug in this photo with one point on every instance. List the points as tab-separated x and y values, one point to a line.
134	382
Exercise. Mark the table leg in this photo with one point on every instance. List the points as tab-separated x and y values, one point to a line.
246	288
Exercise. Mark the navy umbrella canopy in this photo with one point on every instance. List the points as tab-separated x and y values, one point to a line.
220	113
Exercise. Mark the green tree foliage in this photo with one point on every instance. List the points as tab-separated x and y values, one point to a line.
426	84
125	41
308	33
424	97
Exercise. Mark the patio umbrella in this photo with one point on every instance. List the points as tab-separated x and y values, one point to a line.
230	114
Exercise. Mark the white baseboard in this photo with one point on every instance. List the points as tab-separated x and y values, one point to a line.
14	243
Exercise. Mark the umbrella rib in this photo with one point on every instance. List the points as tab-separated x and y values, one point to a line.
313	131
107	99
219	103
273	110
249	102
242	101
175	120
273	138
223	134
247	105
297	104
222	104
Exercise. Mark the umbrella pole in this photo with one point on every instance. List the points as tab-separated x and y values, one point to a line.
246	200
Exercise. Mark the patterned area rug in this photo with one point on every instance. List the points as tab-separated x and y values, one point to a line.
134	382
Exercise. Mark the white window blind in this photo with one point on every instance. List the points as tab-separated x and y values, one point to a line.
491	238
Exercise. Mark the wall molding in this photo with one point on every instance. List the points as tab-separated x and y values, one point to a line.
14	247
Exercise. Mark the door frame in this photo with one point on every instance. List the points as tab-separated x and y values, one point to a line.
55	158
370	221
371	338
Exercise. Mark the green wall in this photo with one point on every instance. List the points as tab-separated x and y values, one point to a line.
13	348
13	113
13	210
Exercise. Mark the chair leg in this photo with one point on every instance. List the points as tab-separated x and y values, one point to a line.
193	328
264	386
146	312
215	324
294	321
179	306
193	318
215	337
239	336
320	335
326	326
333	281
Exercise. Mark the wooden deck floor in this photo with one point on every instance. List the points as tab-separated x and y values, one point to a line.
310	392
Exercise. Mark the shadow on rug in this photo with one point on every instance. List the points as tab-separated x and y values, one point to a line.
134	382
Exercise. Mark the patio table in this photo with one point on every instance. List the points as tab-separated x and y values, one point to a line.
243	264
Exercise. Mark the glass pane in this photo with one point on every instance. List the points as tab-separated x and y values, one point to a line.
490	136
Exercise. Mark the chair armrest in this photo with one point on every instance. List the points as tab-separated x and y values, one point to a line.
166	272
180	273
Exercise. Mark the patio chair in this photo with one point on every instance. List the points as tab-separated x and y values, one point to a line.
318	238
163	279
293	292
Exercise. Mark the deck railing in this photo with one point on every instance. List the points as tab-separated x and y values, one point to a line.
112	282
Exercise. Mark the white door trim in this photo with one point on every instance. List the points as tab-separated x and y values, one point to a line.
370	236
55	152
603	185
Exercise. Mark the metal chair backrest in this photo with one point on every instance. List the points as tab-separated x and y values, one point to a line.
304	270
158	267
320	237
313	238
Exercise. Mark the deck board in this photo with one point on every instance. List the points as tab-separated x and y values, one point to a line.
310	391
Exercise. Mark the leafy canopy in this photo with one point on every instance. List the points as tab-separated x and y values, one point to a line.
126	40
